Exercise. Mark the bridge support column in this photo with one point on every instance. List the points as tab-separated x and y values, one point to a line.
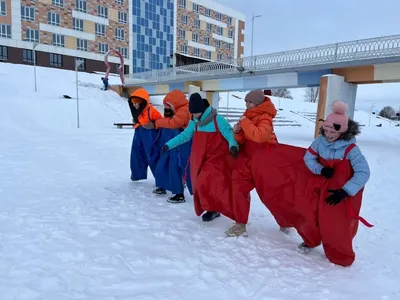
334	88
213	99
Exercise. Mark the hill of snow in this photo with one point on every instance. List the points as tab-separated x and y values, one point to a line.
73	225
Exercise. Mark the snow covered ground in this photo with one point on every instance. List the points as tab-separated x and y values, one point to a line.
74	227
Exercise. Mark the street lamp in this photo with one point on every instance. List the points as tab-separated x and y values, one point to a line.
77	65
370	114
252	31
35	44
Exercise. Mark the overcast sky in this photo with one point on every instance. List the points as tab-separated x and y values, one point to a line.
292	24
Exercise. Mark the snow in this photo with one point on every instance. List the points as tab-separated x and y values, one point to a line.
74	227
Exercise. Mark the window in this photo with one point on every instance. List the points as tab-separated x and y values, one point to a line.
100	29
77	24
196	7
182	34
184	49
32	35
217	43
120	1
3	53
184	19
209	27
82	44
102	11
5	31
120	34
123	51
206	40
53	19
82	66
196	52
122	17
59	3
228	46
229	20
3	8
103	48
195	37
230	34
81	5
196	23
27	13
27	56
220	30
208	12
220	57
182	3
208	54
55	60
58	40
218	16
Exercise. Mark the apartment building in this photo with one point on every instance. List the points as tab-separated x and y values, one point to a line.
64	31
208	31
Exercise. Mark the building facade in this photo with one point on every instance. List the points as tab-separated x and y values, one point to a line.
208	31
65	31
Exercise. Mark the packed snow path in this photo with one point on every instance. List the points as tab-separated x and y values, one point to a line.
74	227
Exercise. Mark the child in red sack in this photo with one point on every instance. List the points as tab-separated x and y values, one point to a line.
335	155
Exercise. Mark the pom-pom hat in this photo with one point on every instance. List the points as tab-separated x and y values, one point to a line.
338	120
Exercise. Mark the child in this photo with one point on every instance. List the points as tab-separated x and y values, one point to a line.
171	168
335	156
143	152
253	131
211	159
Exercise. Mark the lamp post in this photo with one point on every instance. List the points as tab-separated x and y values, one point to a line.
35	44
252	31
370	114
77	65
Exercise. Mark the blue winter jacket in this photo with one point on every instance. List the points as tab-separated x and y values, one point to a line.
336	150
224	127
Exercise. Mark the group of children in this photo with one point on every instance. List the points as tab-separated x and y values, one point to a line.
317	191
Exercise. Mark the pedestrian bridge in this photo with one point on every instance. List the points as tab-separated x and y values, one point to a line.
337	68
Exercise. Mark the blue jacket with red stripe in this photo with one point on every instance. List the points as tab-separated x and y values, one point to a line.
336	150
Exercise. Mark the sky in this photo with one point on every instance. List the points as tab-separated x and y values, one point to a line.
293	24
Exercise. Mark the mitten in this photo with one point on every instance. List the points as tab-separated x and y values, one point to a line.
165	148
234	151
149	125
327	172
336	197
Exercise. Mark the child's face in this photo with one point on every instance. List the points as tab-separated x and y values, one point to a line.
249	105
197	115
331	135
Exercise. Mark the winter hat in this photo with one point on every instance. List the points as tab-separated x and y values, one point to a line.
196	104
256	97
338	119
267	92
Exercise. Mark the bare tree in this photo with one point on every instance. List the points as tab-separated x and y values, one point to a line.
311	94
282	93
387	112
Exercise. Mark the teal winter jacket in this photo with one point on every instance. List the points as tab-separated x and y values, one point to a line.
224	127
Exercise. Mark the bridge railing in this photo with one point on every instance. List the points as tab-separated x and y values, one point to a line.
352	51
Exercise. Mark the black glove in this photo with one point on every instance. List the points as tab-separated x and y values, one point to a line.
336	197
234	151
327	172
149	125
165	148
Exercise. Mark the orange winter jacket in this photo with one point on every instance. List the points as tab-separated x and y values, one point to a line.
258	126
176	100
149	113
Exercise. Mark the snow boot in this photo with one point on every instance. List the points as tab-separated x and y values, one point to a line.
210	215
178	198
160	191
237	230
285	230
303	248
